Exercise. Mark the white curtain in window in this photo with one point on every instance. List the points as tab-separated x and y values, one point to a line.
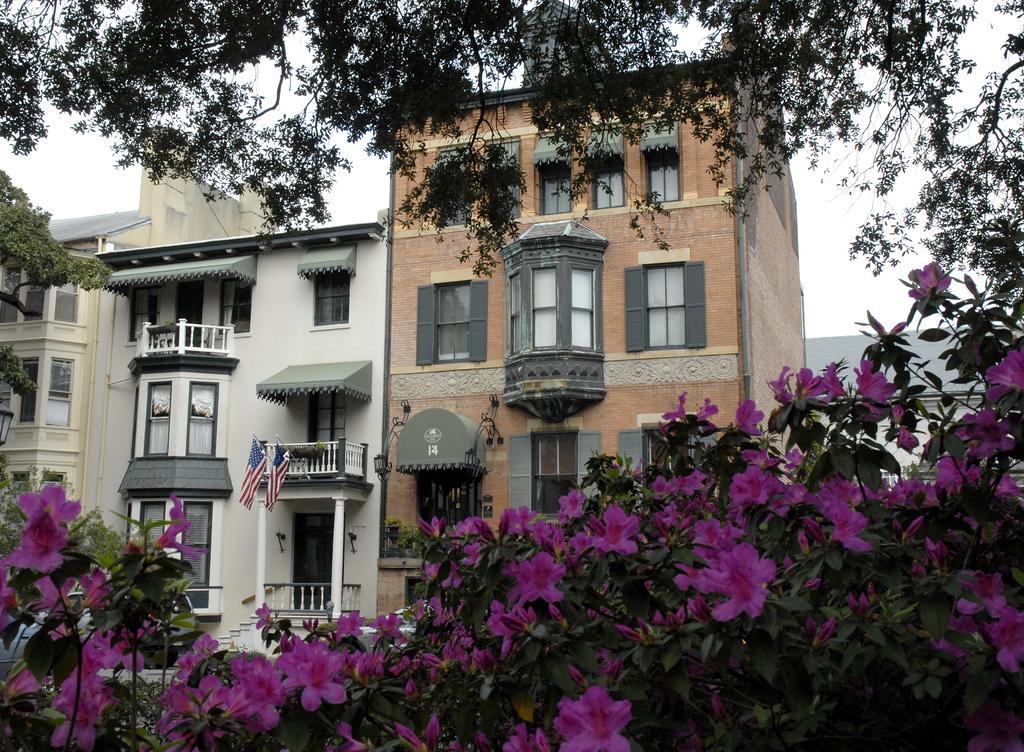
582	308
544	317
201	419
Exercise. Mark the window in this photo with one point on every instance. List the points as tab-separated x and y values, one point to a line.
236	305
5	396
12	278
58	403
608	184
554	474
35	303
21	481
65	307
512	149
665	306
663	174
583	308
158	419
554	188
202	419
149	512
666	314
515	314
453	322
653	445
326	417
199	515
145	307
53	478
27	413
545	318
331	299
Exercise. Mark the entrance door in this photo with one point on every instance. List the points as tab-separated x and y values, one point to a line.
311	562
449	495
189	302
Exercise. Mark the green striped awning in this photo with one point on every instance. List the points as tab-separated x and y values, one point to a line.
352	379
340	258
242	267
605	143
657	137
545	151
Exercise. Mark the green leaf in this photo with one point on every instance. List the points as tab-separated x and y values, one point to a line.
705	648
794	603
670	655
843	462
933	335
978	688
637	600
762	653
834	559
584	655
933	687
798	690
935	615
295	733
39	654
1018	575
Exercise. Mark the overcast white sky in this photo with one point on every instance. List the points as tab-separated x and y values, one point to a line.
73	175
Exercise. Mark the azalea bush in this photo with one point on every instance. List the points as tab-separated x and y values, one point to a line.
778	587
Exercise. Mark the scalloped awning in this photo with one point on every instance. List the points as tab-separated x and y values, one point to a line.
545	151
353	379
438	439
656	140
243	268
340	258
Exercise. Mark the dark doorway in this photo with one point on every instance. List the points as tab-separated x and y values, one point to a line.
311	562
450	495
189	301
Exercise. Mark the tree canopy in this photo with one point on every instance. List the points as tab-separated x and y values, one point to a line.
249	94
26	243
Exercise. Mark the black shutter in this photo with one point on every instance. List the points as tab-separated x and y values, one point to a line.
478	320
425	325
634	309
631	445
520	476
696	318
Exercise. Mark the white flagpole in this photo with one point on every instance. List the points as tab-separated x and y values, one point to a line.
261	555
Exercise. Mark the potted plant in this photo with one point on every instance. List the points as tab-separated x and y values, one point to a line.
308	452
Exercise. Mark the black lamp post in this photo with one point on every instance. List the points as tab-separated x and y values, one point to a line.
6	418
381	463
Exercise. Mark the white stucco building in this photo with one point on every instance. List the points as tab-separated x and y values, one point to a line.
211	343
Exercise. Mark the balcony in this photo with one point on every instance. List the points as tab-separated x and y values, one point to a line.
309	598
325	460
184	338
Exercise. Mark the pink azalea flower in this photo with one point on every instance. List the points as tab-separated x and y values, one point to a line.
593	723
8	600
314	669
1007	636
257	692
997	730
45	533
707	411
742	576
349	743
170	539
848	524
349	625
781	387
570	506
872	384
1006	376
21	683
430	735
830	381
93	697
951	474
927	280
679	413
906	440
264	617
988	588
748	417
986	433
515	521
616	531
536	578
753	487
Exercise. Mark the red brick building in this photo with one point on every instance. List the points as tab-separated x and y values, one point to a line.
585	334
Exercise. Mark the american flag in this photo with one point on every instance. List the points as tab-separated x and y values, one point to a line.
253	474
278	469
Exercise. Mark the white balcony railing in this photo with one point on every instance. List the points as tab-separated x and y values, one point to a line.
312	459
285	597
183	337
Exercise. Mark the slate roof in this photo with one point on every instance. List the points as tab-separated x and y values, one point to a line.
95	226
824	350
184	476
568	228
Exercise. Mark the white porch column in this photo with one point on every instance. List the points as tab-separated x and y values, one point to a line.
338	556
261	555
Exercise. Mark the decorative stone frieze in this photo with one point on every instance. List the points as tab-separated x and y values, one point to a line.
670	370
447	383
